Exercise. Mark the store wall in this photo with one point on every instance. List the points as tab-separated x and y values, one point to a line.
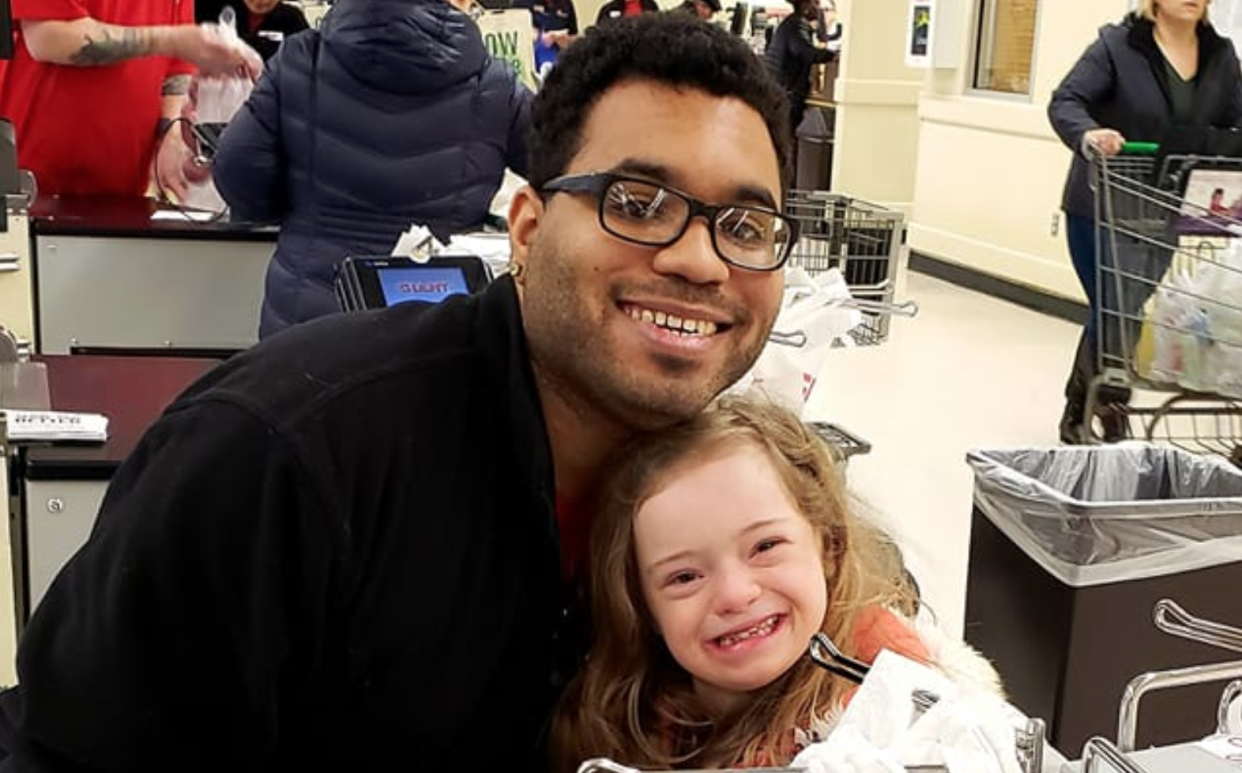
877	129
989	170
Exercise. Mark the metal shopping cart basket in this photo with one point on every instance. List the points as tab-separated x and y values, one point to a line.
1169	319
861	239
1122	756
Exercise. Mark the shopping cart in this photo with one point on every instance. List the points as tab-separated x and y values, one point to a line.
861	239
1168	322
1175	621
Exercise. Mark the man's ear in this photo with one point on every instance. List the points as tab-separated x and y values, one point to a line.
525	217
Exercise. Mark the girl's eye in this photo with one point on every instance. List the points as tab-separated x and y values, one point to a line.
682	578
766	545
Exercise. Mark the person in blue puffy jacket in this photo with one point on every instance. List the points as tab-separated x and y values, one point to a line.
392	113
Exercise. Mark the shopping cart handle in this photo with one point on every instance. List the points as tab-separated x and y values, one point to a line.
1140	148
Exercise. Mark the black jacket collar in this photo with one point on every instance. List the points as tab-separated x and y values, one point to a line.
1142	35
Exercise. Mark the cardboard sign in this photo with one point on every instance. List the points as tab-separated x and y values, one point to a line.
509	35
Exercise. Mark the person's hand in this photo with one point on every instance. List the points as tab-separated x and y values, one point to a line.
1107	142
214	53
172	157
177	164
556	38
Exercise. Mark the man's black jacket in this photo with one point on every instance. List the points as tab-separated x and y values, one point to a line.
337	551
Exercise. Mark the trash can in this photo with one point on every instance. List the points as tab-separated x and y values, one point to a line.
1070	549
815	140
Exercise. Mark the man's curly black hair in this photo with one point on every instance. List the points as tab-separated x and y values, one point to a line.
673	49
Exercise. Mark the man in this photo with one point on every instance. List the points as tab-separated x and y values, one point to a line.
704	9
94	84
355	545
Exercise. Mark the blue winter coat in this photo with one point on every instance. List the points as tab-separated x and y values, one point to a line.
1120	83
393	113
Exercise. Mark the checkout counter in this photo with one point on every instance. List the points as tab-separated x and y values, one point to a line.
56	488
108	276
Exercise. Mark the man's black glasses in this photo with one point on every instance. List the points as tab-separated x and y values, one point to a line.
654	215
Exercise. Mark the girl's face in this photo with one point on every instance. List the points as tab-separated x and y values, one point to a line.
731	571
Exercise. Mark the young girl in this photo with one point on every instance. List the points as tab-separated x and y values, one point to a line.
720	547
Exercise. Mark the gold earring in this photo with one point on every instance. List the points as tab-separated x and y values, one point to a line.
516	270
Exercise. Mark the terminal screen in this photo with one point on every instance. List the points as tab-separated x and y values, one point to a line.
421	283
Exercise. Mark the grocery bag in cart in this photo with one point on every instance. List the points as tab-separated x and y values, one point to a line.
816	316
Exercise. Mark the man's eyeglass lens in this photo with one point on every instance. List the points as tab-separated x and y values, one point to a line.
649	214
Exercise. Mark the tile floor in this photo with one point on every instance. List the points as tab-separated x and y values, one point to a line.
970	371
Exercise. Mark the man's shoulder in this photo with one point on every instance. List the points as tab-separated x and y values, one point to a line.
344	361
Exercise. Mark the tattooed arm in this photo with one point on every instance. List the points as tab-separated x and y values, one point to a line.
87	42
173	96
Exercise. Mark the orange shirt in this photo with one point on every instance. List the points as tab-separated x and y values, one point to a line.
877	628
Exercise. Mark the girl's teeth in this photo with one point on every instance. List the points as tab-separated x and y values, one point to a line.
763	629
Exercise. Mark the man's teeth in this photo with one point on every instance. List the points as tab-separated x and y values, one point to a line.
699	327
763	629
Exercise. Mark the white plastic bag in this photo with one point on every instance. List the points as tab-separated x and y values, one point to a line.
1196	323
815	316
965	730
216	100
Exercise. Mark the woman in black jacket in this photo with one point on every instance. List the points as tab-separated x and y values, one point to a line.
1162	75
792	52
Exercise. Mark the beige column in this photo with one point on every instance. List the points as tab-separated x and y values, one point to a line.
877	105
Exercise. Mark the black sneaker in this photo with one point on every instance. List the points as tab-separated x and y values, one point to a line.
1071	425
1115	421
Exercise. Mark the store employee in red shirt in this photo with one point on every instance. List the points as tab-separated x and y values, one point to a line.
617	9
93	82
263	24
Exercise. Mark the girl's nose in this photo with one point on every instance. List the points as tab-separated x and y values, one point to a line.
737	589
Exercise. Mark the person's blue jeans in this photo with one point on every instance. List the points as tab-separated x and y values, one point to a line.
1120	290
1080	234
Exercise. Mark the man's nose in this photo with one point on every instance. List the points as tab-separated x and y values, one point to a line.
692	257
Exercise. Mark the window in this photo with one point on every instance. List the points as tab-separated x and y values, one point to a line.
1006	39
